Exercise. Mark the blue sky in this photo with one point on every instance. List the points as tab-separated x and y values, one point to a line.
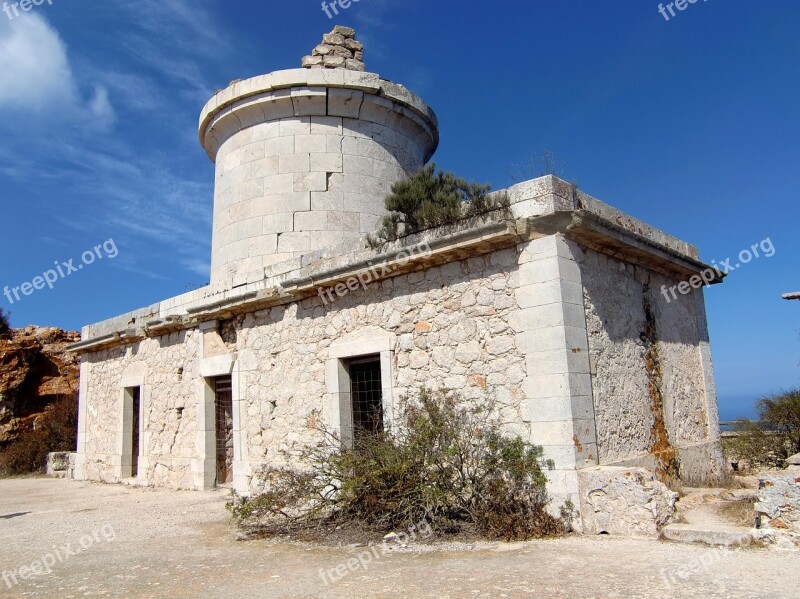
690	124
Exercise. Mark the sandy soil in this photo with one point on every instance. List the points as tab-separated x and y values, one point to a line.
115	541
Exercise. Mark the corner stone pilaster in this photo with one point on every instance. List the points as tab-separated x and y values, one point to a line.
551	332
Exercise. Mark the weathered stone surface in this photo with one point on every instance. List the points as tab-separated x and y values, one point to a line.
347	32
343	52
624	501
333	39
645	347
333	61
323	50
793	460
779	500
311	61
354	65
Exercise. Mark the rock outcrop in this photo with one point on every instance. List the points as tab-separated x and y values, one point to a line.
338	50
624	501
34	372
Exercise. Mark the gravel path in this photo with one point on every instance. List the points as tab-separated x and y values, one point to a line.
115	541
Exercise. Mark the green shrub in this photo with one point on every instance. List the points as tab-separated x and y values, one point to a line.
429	199
448	465
56	430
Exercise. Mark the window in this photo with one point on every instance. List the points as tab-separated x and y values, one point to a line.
360	387
366	395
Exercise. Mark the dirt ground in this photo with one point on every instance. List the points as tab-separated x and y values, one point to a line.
92	540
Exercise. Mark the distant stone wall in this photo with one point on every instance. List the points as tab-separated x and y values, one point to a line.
649	375
168	367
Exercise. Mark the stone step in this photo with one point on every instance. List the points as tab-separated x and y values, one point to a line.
715	535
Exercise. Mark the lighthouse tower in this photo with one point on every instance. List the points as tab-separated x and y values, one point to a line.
305	157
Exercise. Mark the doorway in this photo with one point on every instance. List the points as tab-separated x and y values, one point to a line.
223	410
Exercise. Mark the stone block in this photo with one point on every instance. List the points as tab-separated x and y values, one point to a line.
263	244
359	165
326	125
277	104
624	501
263	167
557	385
552	433
547	316
345	102
279	146
309	101
310	182
310	221
250	152
250	227
328	200
295	163
297	201
295	242
548	292
309	143
275	184
327	163
343	221
278	223
295	126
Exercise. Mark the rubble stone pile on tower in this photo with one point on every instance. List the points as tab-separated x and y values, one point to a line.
338	50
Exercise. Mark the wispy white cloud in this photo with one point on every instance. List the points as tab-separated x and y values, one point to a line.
36	76
113	182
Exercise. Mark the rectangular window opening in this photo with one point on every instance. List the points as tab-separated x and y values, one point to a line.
366	396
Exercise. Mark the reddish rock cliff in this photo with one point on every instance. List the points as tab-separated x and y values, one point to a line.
34	372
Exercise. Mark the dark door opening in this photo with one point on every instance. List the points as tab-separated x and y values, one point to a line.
135	397
223	408
367	396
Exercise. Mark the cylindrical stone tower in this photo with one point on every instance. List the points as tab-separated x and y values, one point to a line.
305	157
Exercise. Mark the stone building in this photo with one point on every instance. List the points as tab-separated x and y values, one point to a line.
559	311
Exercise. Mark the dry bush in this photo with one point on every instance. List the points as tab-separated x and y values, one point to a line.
56	430
449	466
